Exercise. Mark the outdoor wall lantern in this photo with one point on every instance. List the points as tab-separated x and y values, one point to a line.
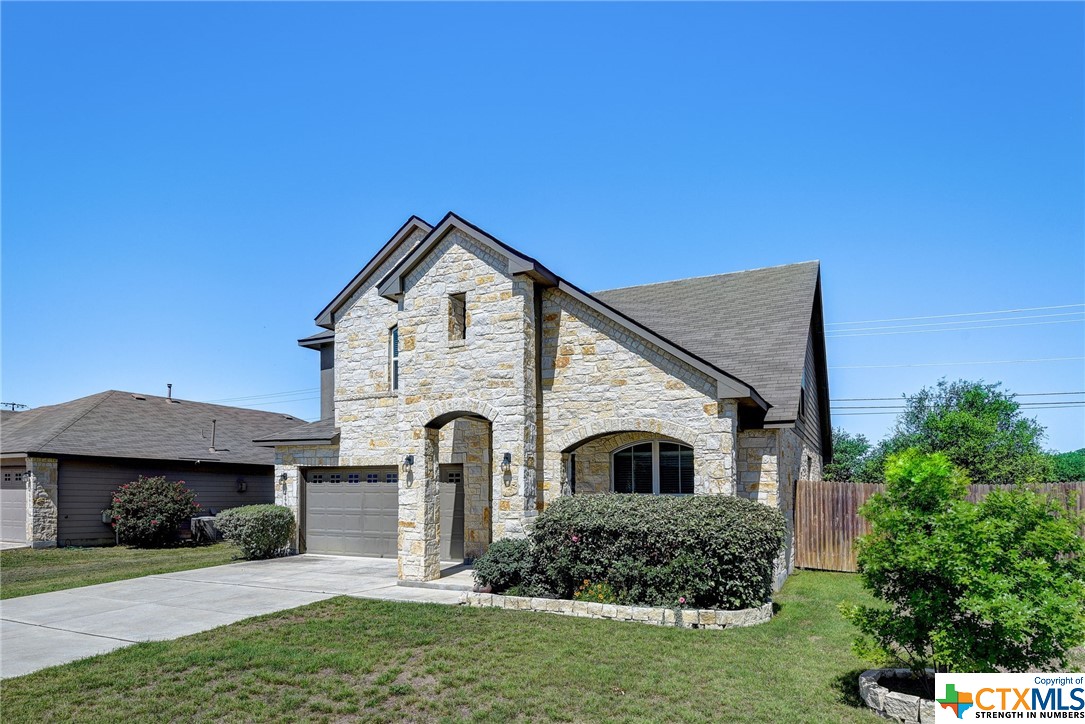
242	486
282	478
408	462
506	462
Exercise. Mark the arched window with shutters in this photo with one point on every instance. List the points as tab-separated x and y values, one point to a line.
653	467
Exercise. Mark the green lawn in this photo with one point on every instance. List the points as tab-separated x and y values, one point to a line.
381	661
24	571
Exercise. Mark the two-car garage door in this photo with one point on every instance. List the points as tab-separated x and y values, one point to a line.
352	511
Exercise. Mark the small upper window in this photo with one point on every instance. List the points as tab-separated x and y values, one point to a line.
802	402
457	317
393	356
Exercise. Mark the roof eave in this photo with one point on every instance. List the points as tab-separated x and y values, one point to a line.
326	318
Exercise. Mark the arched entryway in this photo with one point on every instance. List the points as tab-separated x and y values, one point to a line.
445	508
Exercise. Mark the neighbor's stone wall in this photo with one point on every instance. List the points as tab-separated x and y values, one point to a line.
593	459
491	373
598	377
289	460
41	502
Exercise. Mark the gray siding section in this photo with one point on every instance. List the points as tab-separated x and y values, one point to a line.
808	425
327	382
84	488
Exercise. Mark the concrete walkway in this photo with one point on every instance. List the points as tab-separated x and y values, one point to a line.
54	628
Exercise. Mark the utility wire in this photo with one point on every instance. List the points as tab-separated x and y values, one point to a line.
961	321
910	397
834	335
957	364
269	394
960	314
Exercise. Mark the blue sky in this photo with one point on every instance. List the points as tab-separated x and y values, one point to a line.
186	185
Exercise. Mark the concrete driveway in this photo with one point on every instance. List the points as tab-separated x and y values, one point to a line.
54	628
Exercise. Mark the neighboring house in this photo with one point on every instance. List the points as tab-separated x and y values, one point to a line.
61	463
465	386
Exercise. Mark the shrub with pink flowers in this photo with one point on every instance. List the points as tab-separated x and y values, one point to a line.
147	512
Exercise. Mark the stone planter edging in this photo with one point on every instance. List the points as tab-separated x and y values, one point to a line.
903	708
677	617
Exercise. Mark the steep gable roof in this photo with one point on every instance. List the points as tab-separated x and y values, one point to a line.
754	324
326	318
127	425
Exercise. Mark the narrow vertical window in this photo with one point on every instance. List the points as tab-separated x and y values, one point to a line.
393	356
572	473
457	317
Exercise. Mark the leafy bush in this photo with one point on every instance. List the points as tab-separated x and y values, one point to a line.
260	531
147	511
713	551
993	585
505	565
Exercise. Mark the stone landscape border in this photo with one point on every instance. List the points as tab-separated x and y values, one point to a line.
677	617
893	705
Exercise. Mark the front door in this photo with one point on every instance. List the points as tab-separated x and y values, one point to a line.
451	512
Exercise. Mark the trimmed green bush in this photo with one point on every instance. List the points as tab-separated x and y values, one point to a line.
147	512
260	531
708	551
506	564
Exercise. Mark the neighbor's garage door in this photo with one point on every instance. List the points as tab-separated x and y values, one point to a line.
352	511
13	505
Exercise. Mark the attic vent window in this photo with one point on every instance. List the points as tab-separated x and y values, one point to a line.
457	317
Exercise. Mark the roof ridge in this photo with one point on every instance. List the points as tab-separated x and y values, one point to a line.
105	396
709	276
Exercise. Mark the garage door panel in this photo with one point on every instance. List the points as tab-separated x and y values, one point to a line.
13	506
356	516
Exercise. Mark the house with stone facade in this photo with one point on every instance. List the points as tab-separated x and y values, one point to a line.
464	386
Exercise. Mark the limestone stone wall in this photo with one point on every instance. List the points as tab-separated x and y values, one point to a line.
593	459
490	373
41	502
599	378
288	463
758	465
467	442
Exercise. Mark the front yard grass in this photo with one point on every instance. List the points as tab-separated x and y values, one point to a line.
383	661
24	571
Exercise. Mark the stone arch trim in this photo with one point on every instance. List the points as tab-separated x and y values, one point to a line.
463	405
572	438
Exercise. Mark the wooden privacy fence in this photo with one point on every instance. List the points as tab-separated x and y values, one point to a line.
827	520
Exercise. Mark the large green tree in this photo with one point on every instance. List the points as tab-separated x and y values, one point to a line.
850	454
977	425
1070	466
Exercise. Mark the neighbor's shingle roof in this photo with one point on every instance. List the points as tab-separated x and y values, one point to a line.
119	424
753	324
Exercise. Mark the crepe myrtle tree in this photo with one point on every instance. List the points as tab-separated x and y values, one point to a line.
147	512
988	586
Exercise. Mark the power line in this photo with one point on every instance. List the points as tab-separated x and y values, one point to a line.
906	397
957	364
956	329
960	314
269	394
897	412
962	321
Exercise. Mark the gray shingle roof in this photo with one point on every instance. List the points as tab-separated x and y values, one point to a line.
126	425
753	324
314	432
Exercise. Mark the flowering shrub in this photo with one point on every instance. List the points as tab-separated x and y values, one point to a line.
599	592
260	531
147	511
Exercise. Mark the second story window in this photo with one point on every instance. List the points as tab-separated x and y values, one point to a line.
393	356
457	317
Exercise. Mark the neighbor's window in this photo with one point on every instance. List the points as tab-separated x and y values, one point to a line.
457	317
653	468
393	356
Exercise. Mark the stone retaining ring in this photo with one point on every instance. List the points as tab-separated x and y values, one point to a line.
677	617
893	705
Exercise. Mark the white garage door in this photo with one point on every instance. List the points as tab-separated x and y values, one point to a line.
352	511
12	505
